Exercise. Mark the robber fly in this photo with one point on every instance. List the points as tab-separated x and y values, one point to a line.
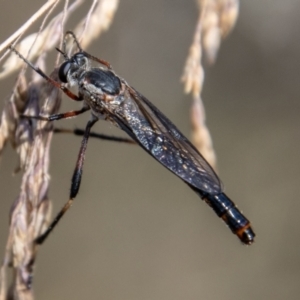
110	97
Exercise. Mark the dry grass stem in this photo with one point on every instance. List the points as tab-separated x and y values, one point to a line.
31	139
34	44
27	25
98	20
216	20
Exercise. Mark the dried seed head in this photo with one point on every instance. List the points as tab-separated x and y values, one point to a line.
200	133
30	212
10	114
216	19
193	75
98	20
210	29
229	11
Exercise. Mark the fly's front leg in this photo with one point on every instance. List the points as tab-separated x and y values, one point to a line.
101	61
45	76
76	180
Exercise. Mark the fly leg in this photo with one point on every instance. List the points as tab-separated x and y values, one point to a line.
49	79
60	116
76	179
80	132
101	61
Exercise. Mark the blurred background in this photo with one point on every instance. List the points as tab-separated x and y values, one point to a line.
135	230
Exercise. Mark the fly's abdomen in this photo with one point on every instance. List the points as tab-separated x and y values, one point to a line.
230	214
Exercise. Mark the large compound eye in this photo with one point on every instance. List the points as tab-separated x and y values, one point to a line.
63	71
80	59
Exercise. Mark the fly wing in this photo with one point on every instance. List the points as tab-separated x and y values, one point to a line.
161	139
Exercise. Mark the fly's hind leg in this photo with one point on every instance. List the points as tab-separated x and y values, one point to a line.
100	136
76	180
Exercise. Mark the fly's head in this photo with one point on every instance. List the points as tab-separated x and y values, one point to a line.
72	68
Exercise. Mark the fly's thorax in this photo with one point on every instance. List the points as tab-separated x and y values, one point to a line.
106	107
97	97
100	84
101	81
74	76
